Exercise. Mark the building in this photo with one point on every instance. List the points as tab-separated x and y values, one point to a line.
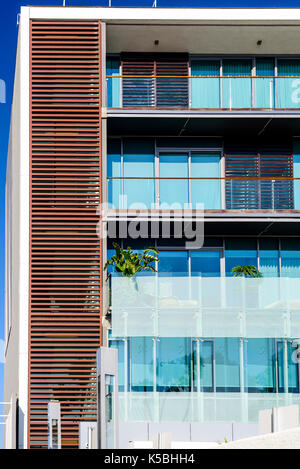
143	108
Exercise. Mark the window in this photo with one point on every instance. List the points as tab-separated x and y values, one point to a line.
240	252
174	191
269	257
173	364
113	81
171	90
138	161
244	163
141	364
289	83
290	258
259	363
237	92
205	92
265	83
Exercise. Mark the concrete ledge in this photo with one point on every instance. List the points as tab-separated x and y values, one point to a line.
288	439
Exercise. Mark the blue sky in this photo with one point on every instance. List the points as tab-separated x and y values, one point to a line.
8	36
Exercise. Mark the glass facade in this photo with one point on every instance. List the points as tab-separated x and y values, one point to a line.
214	366
223	365
214	83
201	174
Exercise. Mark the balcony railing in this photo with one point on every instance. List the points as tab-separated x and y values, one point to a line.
204	92
176	306
215	193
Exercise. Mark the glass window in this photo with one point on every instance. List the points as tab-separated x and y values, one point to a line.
259	362
120	345
292	367
138	162
240	252
173	364
113	81
290	258
237	92
173	263
205	191
265	83
205	91
227	357
203	362
288	85
114	170
174	191
141	364
269	257
205	263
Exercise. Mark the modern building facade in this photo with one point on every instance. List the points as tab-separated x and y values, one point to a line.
161	119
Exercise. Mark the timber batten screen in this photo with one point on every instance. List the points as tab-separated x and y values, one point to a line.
65	251
155	80
264	177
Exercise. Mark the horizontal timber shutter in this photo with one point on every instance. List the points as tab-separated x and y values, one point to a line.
65	251
145	88
263	161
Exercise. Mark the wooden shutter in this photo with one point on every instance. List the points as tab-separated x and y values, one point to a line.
149	90
65	251
262	161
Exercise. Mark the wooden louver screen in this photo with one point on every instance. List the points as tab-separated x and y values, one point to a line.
248	193
65	251
145	88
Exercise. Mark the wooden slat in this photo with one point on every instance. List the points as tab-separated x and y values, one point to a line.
65	251
264	162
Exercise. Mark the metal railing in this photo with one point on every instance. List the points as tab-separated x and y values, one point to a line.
204	92
231	193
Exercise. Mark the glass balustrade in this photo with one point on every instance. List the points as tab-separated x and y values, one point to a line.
231	91
211	193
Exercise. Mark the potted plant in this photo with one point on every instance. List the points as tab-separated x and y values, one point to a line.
247	271
128	263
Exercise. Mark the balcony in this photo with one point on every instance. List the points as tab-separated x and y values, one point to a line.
177	306
215	193
206	93
196	349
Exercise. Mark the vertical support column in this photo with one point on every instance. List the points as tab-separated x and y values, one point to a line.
108	397
54	425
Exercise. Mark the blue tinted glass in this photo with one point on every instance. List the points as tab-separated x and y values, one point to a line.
290	258
113	82
203	372
269	257
206	191
119	344
259	362
139	162
292	375
114	170
237	92
173	263
205	263
288	85
173	364
141	361
205	92
227	358
265	86
173	190
240	252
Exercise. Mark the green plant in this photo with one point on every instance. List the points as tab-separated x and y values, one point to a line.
246	271
129	263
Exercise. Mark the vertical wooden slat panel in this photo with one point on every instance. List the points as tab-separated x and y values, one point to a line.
65	251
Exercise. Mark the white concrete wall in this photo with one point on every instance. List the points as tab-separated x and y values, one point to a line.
288	439
17	238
